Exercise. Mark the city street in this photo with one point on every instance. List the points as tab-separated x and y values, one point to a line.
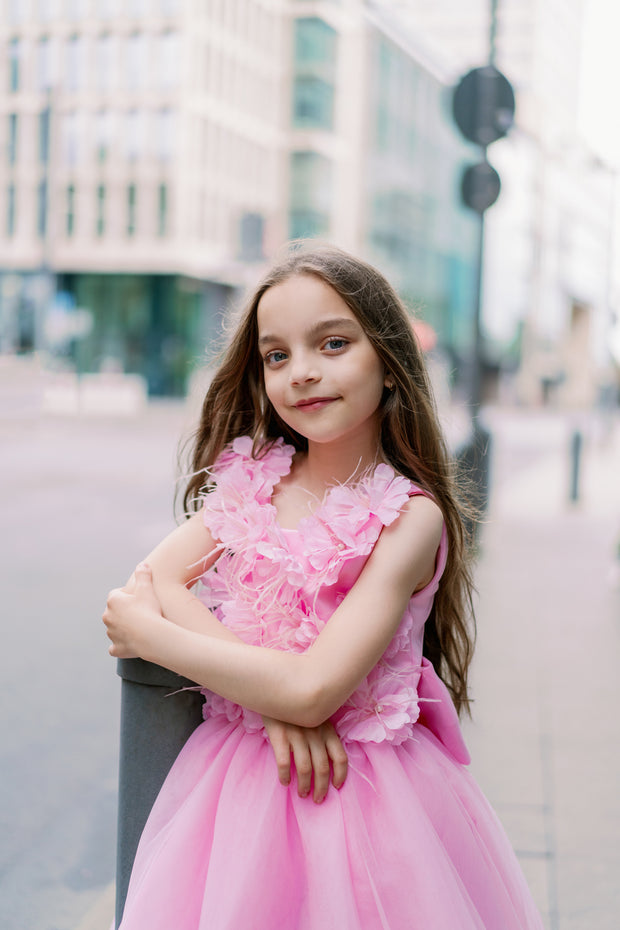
84	498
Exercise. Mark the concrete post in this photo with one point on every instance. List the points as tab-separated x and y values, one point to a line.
155	725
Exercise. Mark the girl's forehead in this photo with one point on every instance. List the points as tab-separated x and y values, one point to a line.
301	299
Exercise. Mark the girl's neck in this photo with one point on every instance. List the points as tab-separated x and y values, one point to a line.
340	462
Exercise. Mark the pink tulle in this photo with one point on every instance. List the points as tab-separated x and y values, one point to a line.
409	842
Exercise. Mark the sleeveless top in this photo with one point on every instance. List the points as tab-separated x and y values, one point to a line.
278	587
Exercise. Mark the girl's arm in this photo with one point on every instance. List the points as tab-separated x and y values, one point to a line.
176	563
301	689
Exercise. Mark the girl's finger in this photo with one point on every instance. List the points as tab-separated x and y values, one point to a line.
303	761
337	754
282	753
320	764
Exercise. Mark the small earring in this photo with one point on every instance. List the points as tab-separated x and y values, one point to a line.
389	385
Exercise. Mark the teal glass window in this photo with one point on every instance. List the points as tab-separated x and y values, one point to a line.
10	210
100	215
44	135
162	210
131	209
12	140
316	47
313	103
14	60
42	209
70	209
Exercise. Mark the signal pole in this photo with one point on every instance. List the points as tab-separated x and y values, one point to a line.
483	107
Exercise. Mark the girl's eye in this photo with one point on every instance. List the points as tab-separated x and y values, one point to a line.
273	358
335	344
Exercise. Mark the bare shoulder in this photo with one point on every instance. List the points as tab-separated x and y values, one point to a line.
406	551
420	518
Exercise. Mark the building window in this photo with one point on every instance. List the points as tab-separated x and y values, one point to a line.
12	141
14	61
76	63
100	215
106	54
135	131
70	210
314	74
315	46
10	210
162	210
44	136
45	10
42	209
168	58
103	134
17	11
165	134
136	61
46	63
131	209
311	195
70	137
313	103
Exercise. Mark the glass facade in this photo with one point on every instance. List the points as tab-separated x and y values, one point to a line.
418	232
158	326
315	50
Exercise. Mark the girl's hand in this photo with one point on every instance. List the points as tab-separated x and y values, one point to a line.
312	749
130	614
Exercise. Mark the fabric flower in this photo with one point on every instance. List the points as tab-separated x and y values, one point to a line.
279	590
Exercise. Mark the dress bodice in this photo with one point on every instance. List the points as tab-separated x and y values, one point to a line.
278	587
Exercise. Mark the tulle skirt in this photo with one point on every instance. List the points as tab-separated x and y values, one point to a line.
408	843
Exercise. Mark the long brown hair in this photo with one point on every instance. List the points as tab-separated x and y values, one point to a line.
411	438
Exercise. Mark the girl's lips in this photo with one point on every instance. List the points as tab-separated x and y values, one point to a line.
314	403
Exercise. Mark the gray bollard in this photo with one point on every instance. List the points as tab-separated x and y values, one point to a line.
155	724
576	445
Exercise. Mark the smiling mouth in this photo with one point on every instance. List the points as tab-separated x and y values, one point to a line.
314	403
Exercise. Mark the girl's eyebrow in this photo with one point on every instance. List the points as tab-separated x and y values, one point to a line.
316	329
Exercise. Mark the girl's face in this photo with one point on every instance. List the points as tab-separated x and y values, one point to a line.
321	372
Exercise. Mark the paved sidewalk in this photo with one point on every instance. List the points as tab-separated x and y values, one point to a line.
545	739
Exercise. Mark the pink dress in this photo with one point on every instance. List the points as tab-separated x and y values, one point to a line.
409	842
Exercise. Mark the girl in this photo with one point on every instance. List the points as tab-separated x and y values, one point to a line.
334	597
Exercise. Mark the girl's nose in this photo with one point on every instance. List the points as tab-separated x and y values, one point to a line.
304	370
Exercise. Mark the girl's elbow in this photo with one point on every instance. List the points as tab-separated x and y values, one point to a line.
314	705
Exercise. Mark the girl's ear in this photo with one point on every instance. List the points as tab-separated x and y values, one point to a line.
389	383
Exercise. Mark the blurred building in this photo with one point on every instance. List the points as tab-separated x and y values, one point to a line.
142	169
156	153
547	286
375	160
